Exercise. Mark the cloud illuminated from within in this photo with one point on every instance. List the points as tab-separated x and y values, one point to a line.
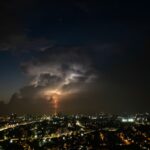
65	72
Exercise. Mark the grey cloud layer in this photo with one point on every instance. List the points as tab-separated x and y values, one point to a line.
59	69
21	42
68	72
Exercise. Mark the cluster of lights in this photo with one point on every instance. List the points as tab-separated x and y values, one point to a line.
128	120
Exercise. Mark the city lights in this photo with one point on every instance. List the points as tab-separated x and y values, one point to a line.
75	131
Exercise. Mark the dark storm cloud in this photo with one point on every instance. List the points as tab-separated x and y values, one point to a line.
47	79
15	33
12	23
60	65
66	69
98	78
29	101
22	43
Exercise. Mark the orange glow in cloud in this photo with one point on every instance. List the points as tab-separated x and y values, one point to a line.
54	96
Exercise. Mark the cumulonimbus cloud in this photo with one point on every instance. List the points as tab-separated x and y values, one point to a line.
61	70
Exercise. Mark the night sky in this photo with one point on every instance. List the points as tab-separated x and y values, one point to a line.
76	56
